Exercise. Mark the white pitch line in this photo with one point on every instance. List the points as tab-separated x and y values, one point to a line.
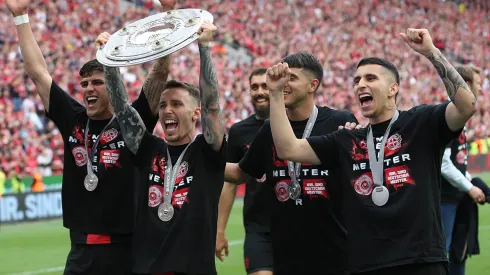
61	268
40	271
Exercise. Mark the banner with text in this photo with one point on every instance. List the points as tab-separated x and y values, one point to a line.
22	207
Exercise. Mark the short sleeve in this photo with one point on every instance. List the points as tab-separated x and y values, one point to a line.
63	109
325	148
146	148
142	106
254	161
215	160
344	116
443	134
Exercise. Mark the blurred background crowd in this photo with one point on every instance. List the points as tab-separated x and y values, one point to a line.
251	34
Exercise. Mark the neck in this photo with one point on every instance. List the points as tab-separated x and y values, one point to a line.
102	116
300	112
386	115
184	140
261	116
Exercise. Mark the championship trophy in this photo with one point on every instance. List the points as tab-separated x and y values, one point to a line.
153	37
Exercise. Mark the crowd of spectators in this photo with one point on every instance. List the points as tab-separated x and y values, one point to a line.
338	32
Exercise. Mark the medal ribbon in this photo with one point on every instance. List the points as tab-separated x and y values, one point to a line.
376	164
294	168
94	147
171	174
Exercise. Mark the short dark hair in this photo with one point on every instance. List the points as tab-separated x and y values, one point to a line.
193	90
467	72
304	60
259	71
90	67
381	62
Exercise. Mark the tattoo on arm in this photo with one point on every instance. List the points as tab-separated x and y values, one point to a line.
212	117
155	82
132	126
451	78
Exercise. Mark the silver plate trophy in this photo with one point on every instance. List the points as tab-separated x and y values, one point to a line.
153	37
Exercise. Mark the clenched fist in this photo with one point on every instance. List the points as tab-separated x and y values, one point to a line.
277	77
17	7
419	40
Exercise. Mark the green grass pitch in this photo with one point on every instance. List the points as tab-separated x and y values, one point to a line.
42	247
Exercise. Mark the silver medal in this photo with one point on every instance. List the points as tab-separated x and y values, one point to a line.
91	181
294	190
380	195
165	211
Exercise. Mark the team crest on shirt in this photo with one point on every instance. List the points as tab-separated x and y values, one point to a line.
108	136
80	155
364	185
281	190
394	142
155	195
183	168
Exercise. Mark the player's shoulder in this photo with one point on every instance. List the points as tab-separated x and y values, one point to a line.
327	112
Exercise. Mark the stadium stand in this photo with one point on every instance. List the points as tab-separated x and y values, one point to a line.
252	33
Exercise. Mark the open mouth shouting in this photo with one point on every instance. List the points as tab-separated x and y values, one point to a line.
91	100
365	100
170	126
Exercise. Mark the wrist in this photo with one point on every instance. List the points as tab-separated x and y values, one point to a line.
432	52
19	13
21	19
221	232
203	44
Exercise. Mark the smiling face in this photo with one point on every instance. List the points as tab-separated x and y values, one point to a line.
260	95
375	89
95	96
300	85
178	113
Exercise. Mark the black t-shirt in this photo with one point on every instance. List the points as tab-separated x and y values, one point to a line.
307	235
187	242
408	228
256	210
459	152
108	210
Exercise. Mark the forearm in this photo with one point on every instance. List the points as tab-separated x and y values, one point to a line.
212	117
453	175
155	82
226	201
31	53
456	88
234	174
282	133
132	126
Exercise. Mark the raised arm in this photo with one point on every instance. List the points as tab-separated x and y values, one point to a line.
211	115
34	62
463	101
288	147
155	81
157	77
132	126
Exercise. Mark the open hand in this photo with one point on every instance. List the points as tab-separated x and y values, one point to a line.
350	126
221	244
